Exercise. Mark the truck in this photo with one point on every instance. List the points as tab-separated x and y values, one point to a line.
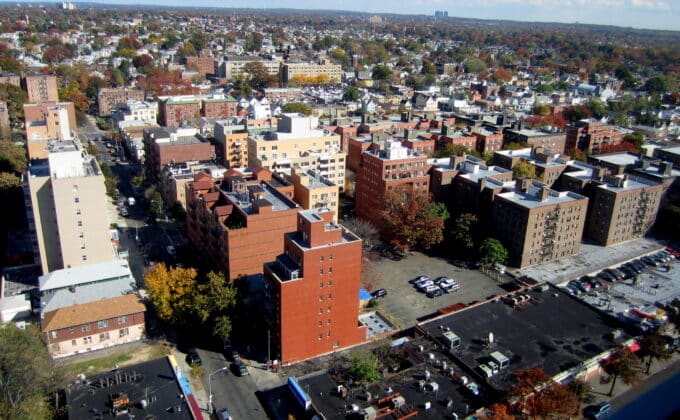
131	201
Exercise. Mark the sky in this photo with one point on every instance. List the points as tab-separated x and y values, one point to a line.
651	14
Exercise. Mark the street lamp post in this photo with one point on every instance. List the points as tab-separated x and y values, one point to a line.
210	397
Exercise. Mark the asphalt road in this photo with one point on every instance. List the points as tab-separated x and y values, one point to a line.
235	393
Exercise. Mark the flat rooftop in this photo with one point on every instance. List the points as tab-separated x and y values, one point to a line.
618	159
551	330
276	199
151	388
531	198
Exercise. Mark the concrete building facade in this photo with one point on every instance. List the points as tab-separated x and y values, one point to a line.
313	289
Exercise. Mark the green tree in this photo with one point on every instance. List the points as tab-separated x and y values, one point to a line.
462	231
12	157
27	375
258	74
212	303
524	170
157	204
413	219
654	346
364	368
474	65
254	41
381	72
15	98
492	251
541	109
296	107
428	67
636	138
656	84
625	365
351	93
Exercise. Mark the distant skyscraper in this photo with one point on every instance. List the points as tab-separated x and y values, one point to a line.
441	13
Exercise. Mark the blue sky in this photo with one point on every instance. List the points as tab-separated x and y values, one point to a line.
653	14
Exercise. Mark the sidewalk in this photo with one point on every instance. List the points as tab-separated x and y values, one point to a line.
197	388
600	391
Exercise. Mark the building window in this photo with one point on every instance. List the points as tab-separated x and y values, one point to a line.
330	269
321	258
80	223
330	296
104	337
71	330
76	199
54	334
321	271
86	327
84	258
328	334
102	324
74	343
320	284
330	283
329	309
122	320
320	336
320	323
320	310
336	344
87	340
123	332
329	321
320	298
330	256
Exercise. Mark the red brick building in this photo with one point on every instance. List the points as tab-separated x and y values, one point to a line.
107	98
204	64
237	225
384	169
162	147
487	141
174	112
313	289
592	135
219	107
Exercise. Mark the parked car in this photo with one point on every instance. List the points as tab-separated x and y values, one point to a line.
239	369
649	261
233	355
435	293
616	273
430	288
597	411
473	388
596	283
606	276
193	359
424	285
578	285
418	279
379	293
222	414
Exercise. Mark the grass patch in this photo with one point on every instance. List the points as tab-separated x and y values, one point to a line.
94	366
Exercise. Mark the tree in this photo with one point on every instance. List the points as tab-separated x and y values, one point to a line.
254	41
499	411
538	395
27	375
15	97
362	228
654	346
12	157
428	67
474	65
462	231
412	218
351	94
170	291
635	138
656	84
297	107
213	300
492	251
540	109
381	72
258	73
524	170
623	364
364	367
157	204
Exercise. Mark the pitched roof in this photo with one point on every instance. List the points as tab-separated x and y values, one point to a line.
91	312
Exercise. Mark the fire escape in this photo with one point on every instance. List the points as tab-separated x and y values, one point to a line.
549	233
639	221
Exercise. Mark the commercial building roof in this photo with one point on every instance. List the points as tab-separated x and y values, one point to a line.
92	312
86	293
531	198
90	273
151	389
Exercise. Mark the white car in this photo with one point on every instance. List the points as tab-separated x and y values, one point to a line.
424	285
430	288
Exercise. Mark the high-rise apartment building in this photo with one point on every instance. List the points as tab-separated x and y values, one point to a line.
66	204
592	135
312	191
231	143
537	224
41	88
313	289
175	111
237	225
39	133
385	167
107	98
297	143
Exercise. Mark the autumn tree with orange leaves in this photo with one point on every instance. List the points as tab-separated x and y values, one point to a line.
413	219
538	395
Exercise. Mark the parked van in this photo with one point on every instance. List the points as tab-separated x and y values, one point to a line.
131	201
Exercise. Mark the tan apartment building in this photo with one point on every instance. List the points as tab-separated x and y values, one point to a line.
41	88
548	166
55	126
234	66
231	143
203	64
38	112
10	79
66	204
312	191
537	224
292	71
297	143
622	207
107	98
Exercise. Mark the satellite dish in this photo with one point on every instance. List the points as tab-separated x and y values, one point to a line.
490	338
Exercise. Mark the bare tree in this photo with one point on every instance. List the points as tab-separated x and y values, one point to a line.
364	229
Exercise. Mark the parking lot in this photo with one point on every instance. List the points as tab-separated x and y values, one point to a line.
408	306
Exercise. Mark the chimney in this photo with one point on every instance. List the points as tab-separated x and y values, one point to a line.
408	133
455	161
665	168
522	184
447	130
539	150
544	193
598	172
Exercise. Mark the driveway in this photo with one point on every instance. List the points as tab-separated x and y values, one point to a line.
408	306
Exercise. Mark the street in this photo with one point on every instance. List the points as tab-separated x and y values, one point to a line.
235	393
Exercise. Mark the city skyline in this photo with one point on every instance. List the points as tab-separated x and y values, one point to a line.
649	14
